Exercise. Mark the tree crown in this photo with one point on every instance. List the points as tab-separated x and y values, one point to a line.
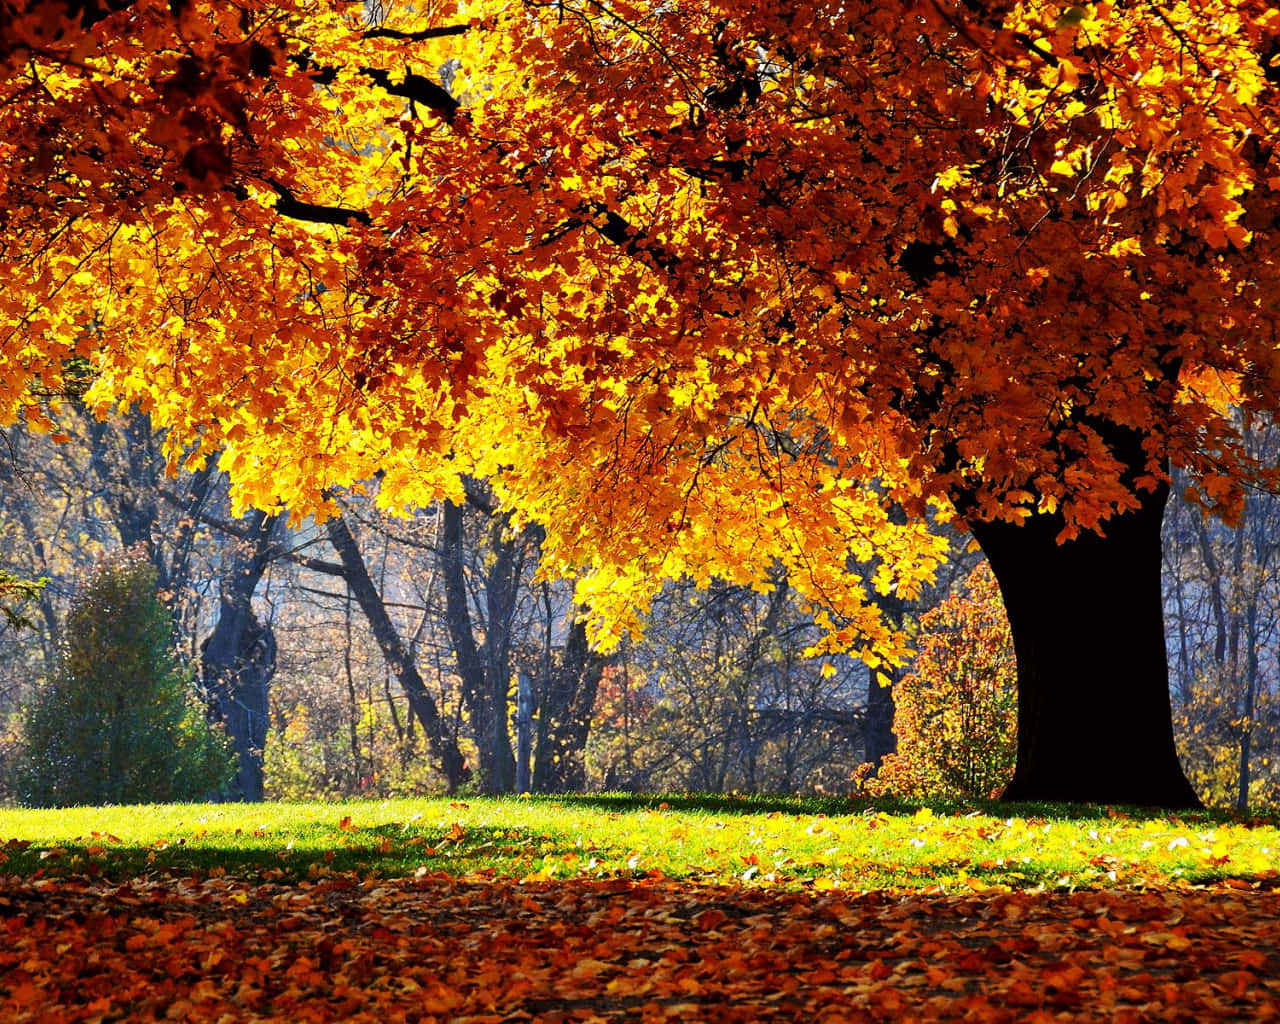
703	287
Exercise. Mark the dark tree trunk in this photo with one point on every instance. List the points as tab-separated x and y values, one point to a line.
502	589
1094	716
238	663
1250	705
132	483
353	569
881	741
564	715
485	669
238	659
879	738
524	732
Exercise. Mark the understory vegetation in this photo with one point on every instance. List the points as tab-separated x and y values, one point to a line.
324	634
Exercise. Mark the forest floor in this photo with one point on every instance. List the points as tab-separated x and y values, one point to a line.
619	909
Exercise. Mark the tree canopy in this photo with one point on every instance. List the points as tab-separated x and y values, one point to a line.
719	283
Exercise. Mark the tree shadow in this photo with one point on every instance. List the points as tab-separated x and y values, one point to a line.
766	803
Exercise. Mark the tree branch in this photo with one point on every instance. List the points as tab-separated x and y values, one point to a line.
426	33
289	205
616	229
416	89
315	564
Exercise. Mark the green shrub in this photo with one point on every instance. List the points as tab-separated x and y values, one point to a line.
118	722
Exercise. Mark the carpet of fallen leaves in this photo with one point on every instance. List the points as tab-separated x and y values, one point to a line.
433	948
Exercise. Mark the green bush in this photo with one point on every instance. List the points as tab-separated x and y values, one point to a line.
118	722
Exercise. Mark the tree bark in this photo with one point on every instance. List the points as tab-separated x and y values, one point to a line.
502	590
1250	705
443	744
485	670
238	659
1094	716
524	731
564	715
880	739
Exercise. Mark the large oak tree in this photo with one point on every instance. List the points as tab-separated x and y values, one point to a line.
703	288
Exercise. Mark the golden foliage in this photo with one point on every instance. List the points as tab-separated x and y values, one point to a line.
955	713
710	286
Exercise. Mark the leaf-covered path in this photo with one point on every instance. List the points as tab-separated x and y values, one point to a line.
440	949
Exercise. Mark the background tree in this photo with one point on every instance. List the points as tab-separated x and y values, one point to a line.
103	486
1222	600
117	722
956	708
564	697
450	598
356	574
494	596
238	658
718	696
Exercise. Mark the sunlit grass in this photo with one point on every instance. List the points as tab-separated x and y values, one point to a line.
757	841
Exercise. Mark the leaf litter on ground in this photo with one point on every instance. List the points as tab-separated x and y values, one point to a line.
570	910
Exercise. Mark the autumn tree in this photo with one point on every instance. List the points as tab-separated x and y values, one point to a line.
706	289
881	739
956	707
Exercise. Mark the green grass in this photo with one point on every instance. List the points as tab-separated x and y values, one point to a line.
794	842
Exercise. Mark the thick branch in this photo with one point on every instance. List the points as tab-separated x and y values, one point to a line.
316	564
416	89
427	33
616	229
289	205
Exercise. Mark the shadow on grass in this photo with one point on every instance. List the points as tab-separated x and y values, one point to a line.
733	803
390	850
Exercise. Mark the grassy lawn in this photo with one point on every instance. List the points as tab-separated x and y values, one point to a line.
789	843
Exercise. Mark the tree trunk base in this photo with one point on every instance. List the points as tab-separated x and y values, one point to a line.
1095	723
1172	793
